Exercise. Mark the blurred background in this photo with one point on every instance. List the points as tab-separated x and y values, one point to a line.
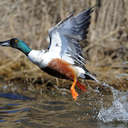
106	47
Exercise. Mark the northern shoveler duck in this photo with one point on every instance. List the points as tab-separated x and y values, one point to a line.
63	58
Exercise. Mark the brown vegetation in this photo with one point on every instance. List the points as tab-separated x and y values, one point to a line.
29	20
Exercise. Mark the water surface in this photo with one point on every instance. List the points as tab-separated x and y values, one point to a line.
91	110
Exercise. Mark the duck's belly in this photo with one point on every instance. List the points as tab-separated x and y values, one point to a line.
60	68
54	73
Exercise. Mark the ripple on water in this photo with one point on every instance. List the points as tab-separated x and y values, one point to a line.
63	112
13	109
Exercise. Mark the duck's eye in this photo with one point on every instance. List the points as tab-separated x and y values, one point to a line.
13	41
16	41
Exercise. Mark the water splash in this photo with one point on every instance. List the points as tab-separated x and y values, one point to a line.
118	111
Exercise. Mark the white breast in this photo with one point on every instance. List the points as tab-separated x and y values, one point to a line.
41	58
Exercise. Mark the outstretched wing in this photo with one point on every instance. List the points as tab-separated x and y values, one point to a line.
65	37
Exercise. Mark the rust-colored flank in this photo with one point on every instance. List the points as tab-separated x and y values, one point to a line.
67	70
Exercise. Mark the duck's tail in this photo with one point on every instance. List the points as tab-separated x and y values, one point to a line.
89	76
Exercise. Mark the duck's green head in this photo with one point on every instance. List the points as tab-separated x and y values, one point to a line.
18	44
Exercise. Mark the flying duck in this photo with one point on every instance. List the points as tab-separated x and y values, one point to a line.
63	58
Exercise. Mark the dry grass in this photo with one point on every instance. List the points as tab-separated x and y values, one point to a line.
105	48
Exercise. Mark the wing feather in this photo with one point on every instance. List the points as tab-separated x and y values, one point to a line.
65	37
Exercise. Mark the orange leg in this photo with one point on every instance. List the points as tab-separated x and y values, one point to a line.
66	69
73	91
82	87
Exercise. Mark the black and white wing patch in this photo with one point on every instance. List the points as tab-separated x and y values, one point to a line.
65	37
